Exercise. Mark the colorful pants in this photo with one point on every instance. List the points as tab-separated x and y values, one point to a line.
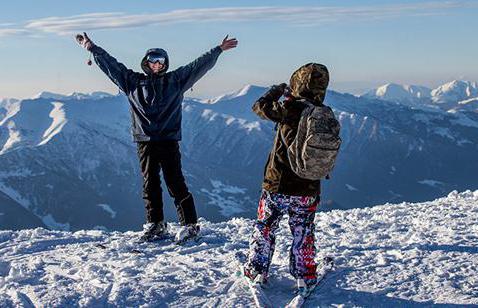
301	210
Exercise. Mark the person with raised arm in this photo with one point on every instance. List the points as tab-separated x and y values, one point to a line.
155	98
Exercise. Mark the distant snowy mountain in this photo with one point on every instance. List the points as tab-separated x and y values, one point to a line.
453	95
400	93
456	91
74	95
393	255
70	163
237	104
49	95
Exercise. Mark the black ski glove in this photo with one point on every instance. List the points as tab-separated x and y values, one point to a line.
276	91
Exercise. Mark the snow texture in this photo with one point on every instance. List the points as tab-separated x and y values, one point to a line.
402	255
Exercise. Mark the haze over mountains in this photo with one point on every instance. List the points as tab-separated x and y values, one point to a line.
68	162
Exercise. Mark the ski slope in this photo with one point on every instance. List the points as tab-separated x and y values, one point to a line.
386	256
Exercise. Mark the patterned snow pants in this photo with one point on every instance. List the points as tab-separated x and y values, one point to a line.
301	210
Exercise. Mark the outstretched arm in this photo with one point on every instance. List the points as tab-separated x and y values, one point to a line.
189	74
116	71
268	107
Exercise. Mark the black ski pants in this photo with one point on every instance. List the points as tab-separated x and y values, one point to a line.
155	156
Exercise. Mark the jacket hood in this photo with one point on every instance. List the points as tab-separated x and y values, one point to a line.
310	81
158	51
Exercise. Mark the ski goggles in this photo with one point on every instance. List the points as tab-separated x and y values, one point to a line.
156	58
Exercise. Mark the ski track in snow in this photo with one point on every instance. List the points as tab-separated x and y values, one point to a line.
403	255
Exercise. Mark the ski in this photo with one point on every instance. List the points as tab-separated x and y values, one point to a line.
299	300
261	300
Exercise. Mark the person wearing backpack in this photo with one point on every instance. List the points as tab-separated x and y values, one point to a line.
303	152
155	98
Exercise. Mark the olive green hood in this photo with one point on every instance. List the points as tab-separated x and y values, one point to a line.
310	81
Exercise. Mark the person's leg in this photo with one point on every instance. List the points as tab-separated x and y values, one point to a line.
152	192
262	242
301	222
171	165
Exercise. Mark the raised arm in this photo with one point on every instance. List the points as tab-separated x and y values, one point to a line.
189	74
123	77
268	106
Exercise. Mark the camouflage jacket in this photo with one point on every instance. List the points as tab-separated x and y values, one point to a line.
308	82
278	176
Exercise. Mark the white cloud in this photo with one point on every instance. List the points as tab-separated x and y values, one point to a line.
294	15
13	32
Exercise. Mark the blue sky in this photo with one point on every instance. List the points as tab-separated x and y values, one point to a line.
364	43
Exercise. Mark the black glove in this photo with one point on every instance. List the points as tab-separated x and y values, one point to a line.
276	91
281	87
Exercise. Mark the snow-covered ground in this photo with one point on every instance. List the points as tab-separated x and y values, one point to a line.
387	256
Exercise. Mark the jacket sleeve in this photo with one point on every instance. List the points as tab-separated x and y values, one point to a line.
116	71
189	74
268	106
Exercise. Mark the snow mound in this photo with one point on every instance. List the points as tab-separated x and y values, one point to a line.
386	256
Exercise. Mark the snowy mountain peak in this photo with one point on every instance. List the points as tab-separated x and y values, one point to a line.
447	96
49	95
92	95
397	92
457	90
247	90
73	95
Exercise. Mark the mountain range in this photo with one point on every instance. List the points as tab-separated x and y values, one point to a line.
454	95
68	161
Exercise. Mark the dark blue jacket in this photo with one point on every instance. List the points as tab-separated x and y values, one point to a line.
155	99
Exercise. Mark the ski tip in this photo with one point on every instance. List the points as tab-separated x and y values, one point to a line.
296	302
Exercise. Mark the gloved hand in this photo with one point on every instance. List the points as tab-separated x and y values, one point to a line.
281	87
276	91
84	41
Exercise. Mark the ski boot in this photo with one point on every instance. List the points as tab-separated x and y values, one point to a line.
306	286
154	231
255	277
187	233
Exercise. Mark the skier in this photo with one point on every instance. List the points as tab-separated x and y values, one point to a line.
155	102
283	191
